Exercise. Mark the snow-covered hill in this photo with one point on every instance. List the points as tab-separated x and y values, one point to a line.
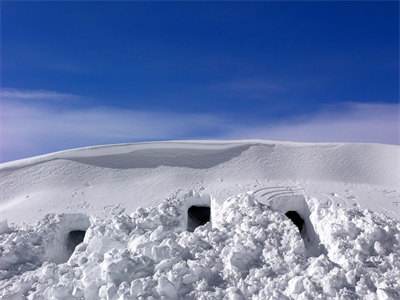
203	220
94	180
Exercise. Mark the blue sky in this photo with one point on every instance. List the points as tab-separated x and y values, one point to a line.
81	73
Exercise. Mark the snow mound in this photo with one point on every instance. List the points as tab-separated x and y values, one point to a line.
95	179
247	250
25	249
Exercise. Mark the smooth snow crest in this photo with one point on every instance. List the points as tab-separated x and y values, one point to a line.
93	180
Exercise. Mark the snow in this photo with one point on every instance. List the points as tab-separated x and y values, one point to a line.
4	226
248	250
95	180
125	208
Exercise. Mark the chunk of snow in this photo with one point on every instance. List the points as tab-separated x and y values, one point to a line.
250	251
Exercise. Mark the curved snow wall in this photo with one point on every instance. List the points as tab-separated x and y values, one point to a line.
362	163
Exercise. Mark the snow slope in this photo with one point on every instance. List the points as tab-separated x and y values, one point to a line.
96	179
129	206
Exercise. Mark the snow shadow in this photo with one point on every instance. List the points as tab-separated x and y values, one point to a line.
75	237
296	219
196	211
153	158
198	216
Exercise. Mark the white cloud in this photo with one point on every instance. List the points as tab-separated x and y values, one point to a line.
17	94
29	128
351	122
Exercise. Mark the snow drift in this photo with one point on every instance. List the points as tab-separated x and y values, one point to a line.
95	179
249	251
239	220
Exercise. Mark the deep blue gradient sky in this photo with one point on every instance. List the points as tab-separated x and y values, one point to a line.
251	64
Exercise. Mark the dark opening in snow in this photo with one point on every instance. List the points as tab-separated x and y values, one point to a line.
74	238
296	219
198	216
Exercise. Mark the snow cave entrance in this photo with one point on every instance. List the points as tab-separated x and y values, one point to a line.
74	238
69	232
296	219
296	209
198	216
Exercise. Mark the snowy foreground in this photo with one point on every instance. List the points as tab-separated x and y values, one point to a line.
203	220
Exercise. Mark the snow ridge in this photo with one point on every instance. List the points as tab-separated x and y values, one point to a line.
91	179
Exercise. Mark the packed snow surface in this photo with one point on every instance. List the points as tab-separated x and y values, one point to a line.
94	180
202	220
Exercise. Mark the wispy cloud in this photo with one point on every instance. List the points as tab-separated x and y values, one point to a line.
30	128
351	122
18	94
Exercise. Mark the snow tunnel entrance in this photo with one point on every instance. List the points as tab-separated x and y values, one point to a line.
198	216
296	219
74	238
